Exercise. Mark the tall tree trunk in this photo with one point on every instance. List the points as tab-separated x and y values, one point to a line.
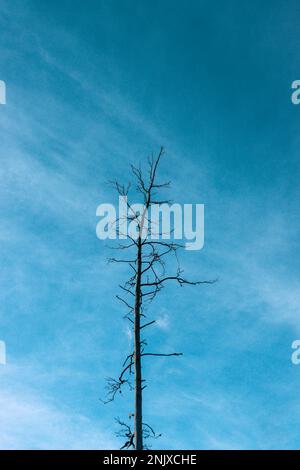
138	426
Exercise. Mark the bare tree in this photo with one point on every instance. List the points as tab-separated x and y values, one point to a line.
147	261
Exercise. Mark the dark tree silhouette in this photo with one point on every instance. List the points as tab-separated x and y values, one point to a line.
149	276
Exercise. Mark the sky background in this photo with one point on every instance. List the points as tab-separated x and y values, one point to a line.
92	87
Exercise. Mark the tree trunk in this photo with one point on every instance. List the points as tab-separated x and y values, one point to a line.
138	426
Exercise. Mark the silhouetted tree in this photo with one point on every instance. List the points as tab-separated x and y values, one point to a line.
147	264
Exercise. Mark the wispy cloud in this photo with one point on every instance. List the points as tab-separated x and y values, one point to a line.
32	420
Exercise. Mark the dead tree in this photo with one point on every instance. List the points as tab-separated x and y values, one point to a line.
147	263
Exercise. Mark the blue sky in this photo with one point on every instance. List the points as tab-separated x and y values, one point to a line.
92	87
